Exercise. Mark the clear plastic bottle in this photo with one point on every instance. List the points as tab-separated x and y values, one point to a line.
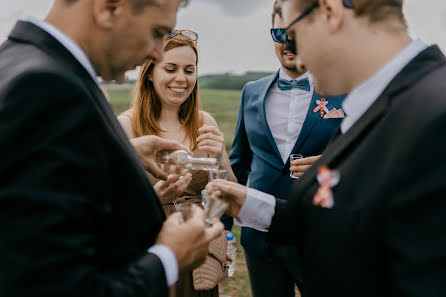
232	252
179	162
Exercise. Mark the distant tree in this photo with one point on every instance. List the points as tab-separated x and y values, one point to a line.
228	81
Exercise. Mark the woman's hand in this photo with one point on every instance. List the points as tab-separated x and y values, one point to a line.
173	187
211	140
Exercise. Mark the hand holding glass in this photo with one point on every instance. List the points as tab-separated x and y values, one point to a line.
215	207
186	210
292	158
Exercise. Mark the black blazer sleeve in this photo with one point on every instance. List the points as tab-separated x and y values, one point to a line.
283	225
51	147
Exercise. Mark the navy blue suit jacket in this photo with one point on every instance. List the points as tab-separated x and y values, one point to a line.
254	153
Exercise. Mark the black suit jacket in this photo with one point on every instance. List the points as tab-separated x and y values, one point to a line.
77	212
385	235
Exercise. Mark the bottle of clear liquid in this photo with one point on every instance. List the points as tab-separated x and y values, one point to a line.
232	252
179	162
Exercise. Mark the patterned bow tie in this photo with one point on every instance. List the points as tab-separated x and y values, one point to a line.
303	84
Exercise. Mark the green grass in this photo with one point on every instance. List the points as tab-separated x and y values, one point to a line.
223	106
238	285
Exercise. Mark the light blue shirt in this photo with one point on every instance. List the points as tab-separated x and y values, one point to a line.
258	210
164	253
286	111
364	95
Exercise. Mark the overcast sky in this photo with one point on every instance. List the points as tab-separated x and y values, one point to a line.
234	34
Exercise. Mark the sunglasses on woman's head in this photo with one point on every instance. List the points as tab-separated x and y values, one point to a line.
190	35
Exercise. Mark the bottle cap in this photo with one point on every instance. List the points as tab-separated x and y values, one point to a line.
229	236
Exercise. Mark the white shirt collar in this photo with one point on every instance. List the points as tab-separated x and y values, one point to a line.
284	75
363	96
69	44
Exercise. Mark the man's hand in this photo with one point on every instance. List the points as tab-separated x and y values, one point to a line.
148	146
189	241
233	193
299	166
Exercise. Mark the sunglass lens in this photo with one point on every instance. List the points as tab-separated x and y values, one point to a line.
278	35
173	34
189	35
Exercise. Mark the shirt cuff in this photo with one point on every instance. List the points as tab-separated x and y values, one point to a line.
257	211
169	260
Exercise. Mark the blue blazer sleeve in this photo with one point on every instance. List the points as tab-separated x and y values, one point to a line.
241	154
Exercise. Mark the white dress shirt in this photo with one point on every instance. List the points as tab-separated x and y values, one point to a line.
164	253
286	112
258	210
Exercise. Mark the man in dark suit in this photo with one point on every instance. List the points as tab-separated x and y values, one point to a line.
368	217
78	215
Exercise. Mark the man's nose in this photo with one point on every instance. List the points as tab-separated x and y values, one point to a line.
156	53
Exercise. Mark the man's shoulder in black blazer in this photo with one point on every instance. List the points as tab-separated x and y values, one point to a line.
77	212
385	234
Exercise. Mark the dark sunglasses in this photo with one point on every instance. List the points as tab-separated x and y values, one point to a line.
190	35
290	43
278	35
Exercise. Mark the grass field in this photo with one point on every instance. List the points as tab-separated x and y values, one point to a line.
223	106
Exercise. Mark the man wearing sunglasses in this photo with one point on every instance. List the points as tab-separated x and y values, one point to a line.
276	119
368	217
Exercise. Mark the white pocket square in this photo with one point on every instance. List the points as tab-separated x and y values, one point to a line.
335	114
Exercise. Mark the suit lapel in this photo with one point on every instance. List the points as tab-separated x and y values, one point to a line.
264	92
310	120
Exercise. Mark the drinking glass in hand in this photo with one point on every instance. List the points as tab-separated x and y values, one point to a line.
217	174
215	207
185	209
292	158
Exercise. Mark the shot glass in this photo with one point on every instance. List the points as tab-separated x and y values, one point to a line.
215	207
292	158
218	174
185	209
204	197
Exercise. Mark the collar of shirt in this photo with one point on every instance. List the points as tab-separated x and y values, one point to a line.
285	115
69	44
363	96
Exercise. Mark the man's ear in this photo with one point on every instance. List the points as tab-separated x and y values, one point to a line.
106	11
333	12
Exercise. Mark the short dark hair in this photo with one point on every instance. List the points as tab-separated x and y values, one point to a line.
277	10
